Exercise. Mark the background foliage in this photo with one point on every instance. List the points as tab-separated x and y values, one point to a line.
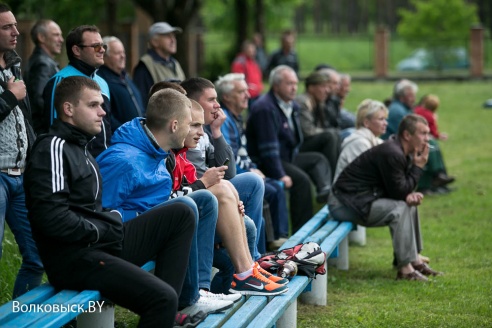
437	26
235	20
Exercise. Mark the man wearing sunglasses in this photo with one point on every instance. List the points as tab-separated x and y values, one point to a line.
85	51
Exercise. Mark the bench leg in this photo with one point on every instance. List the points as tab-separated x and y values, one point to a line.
99	319
289	318
358	236
343	255
318	293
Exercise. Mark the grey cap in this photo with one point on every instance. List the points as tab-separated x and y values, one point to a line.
162	28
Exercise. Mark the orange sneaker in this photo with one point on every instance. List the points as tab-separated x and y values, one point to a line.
275	279
256	284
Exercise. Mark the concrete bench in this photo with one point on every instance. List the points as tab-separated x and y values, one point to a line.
281	310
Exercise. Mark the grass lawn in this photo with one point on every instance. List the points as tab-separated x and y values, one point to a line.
457	231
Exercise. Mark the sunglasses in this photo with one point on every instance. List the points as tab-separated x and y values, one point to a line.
97	47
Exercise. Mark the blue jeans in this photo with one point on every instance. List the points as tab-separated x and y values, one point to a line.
13	210
223	279
275	196
251	233
251	190
202	247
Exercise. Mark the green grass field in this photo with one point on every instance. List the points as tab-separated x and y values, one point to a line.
457	230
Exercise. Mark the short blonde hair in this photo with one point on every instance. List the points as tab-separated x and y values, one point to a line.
366	110
195	105
164	106
430	102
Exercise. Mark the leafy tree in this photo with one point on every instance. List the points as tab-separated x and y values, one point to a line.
437	26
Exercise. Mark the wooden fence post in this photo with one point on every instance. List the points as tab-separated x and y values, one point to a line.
381	44
476	52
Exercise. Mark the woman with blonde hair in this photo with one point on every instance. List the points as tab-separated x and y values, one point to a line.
370	124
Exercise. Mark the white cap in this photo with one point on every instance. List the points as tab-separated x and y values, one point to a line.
162	28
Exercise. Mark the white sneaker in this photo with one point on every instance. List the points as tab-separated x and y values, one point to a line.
208	306
223	297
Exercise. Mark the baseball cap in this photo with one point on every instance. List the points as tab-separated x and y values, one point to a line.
162	28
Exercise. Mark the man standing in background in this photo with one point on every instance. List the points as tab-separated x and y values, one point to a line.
158	64
286	55
85	51
17	138
126	101
47	36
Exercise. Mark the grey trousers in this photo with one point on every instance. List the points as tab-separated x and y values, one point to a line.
402	220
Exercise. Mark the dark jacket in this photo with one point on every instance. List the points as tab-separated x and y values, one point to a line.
331	112
63	197
270	139
8	101
79	68
126	101
383	171
279	57
40	68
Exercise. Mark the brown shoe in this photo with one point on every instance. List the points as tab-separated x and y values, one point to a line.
415	275
426	270
424	259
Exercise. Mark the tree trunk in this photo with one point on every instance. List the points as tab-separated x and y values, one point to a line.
484	12
111	10
300	18
259	12
363	16
318	17
335	16
380	19
352	14
242	23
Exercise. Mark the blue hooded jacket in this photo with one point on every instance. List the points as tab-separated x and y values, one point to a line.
134	172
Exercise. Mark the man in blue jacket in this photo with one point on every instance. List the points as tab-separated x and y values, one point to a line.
274	136
136	179
404	94
126	101
85	51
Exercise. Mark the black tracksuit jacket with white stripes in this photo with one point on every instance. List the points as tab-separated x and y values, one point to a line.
63	195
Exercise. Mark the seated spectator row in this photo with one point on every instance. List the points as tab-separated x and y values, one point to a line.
176	169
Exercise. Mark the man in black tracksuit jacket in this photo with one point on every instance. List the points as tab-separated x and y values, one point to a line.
84	246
